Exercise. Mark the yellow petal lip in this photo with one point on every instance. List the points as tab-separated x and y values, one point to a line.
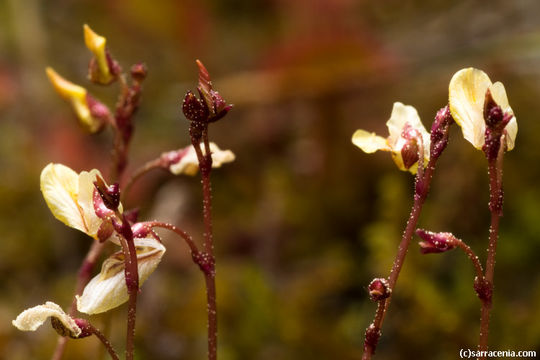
65	88
76	95
466	97
69	196
31	319
108	290
369	142
189	165
97	45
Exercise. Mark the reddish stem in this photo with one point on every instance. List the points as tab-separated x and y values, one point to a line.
472	256
373	332
495	207
206	260
91	329
149	166
182	233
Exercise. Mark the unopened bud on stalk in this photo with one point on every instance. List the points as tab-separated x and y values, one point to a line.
435	242
139	72
194	109
102	69
110	194
86	107
379	289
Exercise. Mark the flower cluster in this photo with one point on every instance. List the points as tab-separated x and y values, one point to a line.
84	201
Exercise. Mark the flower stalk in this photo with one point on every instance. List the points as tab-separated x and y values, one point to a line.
439	140
495	207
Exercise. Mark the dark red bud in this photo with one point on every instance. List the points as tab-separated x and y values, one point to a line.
440	131
101	210
409	153
194	109
379	289
435	242
139	72
110	194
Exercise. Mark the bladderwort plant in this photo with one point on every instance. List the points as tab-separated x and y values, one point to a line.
487	121
86	202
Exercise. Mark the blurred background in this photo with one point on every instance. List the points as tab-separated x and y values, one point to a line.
303	220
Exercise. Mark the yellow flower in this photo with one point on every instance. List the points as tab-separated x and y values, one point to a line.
404	126
77	96
108	290
189	165
96	44
467	93
33	318
70	197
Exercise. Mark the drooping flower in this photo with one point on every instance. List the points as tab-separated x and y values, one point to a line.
467	96
32	318
188	164
405	129
108	290
80	100
70	197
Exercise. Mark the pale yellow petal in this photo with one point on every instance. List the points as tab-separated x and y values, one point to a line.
189	165
60	187
85	200
369	142
467	92
499	95
33	318
401	115
108	290
511	132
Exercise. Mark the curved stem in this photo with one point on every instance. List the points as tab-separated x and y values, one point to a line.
184	235
149	166
471	255
103	340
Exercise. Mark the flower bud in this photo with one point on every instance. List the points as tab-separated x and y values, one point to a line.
109	194
139	72
439	131
102	69
215	103
435	242
379	289
78	96
194	109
